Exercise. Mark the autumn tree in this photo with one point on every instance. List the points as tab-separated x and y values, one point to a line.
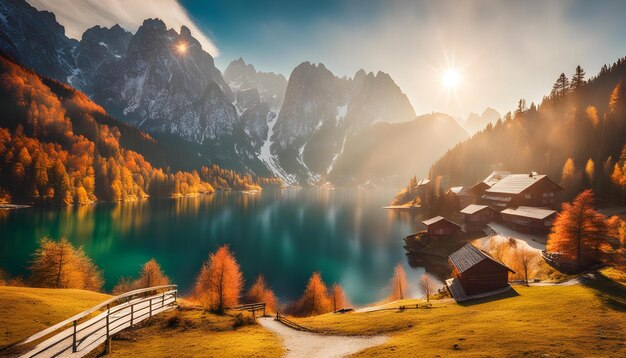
428	286
398	283
151	275
60	265
315	298
338	298
220	281
259	292
525	259
579	231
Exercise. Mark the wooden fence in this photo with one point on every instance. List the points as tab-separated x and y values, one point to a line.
250	307
84	332
282	319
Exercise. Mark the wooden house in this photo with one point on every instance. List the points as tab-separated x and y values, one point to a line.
440	227
522	190
476	217
460	197
477	271
479	188
529	220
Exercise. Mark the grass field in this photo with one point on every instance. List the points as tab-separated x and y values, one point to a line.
193	332
581	320
25	311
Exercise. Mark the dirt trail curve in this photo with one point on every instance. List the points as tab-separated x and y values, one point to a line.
305	344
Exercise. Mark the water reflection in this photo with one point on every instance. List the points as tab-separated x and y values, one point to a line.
286	235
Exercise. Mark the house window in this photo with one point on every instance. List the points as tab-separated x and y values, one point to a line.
527	196
545	195
547	223
552	195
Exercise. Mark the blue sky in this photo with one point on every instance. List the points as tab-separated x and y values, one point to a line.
503	50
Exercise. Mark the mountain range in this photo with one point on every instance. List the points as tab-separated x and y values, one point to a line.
161	81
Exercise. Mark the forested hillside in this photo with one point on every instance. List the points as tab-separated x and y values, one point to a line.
576	136
58	147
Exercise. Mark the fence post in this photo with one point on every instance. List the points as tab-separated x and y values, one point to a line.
163	300
107	344
150	306
74	338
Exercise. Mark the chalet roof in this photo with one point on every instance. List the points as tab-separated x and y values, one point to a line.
433	220
473	208
437	219
530	212
469	255
515	183
495	177
423	182
460	190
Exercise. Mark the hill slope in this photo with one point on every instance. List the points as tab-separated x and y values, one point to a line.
587	123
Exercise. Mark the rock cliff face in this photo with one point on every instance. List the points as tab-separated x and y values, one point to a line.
163	88
35	39
321	111
162	82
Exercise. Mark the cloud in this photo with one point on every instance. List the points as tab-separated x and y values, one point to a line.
79	15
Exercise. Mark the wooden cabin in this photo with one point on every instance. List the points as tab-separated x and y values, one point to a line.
479	188
460	197
522	190
476	217
529	220
440	227
477	271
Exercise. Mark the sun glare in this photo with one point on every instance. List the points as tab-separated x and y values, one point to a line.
451	79
181	48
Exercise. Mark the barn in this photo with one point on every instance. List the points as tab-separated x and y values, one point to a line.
477	271
476	217
440	227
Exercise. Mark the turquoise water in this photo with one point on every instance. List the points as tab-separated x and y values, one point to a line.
285	235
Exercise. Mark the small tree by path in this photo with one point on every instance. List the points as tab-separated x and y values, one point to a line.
398	283
220	281
259	292
339	298
525	258
315	298
427	284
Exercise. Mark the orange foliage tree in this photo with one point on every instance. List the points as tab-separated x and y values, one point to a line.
315	298
338	297
398	283
259	292
60	265
220	281
151	275
579	232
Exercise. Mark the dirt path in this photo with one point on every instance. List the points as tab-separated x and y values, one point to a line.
305	344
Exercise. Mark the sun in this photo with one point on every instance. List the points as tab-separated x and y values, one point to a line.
181	48
451	79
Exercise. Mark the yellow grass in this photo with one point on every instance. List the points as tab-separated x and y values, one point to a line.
192	332
555	321
25	311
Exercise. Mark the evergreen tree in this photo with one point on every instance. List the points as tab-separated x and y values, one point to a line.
578	79
560	87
